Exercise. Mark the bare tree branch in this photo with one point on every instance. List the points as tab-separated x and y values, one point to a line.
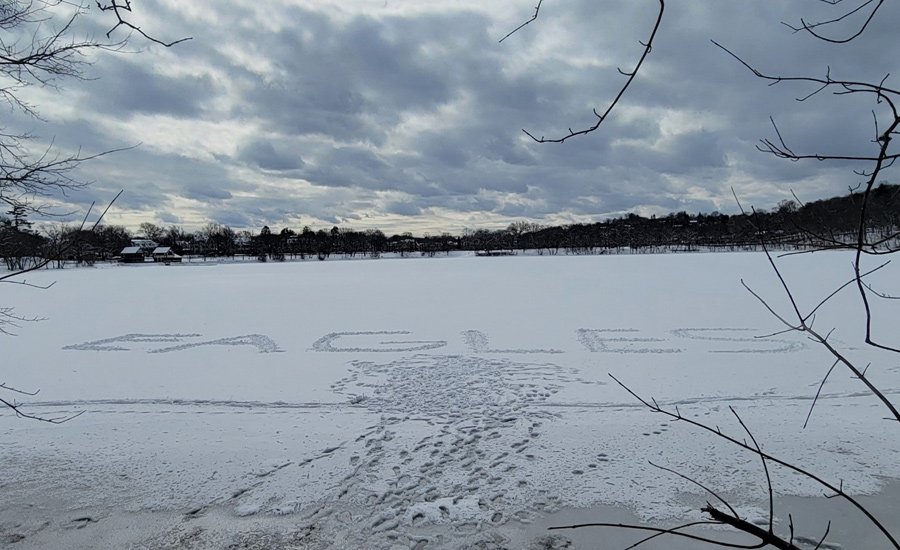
811	27
38	49
836	490
9	320
766	538
537	10
122	9
765	470
886	126
15	390
698	484
658	531
804	326
648	47
17	408
818	392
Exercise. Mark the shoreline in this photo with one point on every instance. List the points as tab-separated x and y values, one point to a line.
847	527
40	527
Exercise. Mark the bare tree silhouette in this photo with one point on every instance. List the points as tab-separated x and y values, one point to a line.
40	47
842	28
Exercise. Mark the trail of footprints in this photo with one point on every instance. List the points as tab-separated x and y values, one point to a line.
460	462
483	418
447	459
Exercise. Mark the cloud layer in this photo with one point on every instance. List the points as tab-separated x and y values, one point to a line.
407	115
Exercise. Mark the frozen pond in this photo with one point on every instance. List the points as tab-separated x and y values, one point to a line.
449	400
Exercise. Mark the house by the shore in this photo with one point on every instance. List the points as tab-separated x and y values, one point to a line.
131	255
165	254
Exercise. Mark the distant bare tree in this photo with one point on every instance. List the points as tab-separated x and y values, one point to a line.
151	231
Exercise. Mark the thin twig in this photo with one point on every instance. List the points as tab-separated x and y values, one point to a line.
537	10
818	392
698	484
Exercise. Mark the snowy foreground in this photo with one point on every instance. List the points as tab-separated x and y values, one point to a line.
420	403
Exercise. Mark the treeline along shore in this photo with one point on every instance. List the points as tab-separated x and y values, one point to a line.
824	224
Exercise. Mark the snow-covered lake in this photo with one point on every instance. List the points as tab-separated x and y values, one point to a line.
450	400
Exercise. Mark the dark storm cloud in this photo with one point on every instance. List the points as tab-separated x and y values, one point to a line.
349	80
235	219
264	155
145	196
351	167
680	154
205	193
156	183
168	218
403	209
127	87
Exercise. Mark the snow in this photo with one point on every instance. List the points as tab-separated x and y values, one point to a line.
247	509
451	399
446	510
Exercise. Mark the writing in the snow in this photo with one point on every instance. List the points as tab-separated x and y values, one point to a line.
594	340
175	342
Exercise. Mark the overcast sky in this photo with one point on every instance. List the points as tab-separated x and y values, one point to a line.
408	115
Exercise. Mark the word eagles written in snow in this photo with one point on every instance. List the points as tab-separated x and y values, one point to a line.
595	340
